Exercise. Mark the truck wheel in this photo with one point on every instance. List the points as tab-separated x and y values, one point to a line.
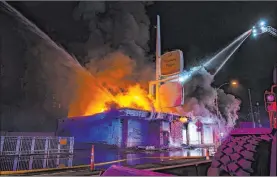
243	155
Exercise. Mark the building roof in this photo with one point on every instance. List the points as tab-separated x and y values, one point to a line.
126	113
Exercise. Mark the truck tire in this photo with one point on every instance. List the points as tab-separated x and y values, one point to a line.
243	155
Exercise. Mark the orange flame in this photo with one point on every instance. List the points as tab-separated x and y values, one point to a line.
135	97
108	85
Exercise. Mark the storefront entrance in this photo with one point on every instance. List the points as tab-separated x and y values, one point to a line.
166	138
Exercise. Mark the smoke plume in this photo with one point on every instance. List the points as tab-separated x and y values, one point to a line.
229	107
200	99
117	46
116	29
41	82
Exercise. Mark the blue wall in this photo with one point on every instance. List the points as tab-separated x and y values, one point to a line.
91	130
124	128
137	132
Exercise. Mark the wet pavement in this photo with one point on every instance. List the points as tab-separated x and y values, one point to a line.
175	167
107	156
135	158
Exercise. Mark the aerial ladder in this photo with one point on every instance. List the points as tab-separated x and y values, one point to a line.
248	141
261	28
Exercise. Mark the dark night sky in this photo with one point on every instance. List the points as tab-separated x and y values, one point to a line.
197	28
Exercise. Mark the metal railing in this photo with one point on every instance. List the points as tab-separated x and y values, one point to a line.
26	153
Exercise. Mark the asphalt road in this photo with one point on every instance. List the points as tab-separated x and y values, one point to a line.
164	165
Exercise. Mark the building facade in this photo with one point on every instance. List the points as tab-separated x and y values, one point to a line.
126	128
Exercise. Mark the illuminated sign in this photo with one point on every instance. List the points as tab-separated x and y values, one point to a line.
171	95
135	113
183	119
147	114
172	63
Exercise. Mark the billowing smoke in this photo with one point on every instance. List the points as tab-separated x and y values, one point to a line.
116	48
199	94
118	40
229	107
34	98
200	99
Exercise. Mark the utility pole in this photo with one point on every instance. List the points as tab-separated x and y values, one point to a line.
251	108
258	118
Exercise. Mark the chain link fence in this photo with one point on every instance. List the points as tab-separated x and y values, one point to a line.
27	153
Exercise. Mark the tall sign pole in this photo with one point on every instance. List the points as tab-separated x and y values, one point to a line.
158	59
158	49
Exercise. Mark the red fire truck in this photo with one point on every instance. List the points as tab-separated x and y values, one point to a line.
271	102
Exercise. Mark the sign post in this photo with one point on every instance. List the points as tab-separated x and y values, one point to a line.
167	65
92	158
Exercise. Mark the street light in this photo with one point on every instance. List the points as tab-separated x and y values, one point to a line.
233	83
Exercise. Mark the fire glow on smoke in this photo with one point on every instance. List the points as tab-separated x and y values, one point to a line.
113	82
118	69
112	87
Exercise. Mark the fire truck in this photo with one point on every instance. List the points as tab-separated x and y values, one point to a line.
271	102
250	151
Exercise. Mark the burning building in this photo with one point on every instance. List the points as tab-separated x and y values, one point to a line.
111	105
127	128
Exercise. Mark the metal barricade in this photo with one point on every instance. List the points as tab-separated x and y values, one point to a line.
26	153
